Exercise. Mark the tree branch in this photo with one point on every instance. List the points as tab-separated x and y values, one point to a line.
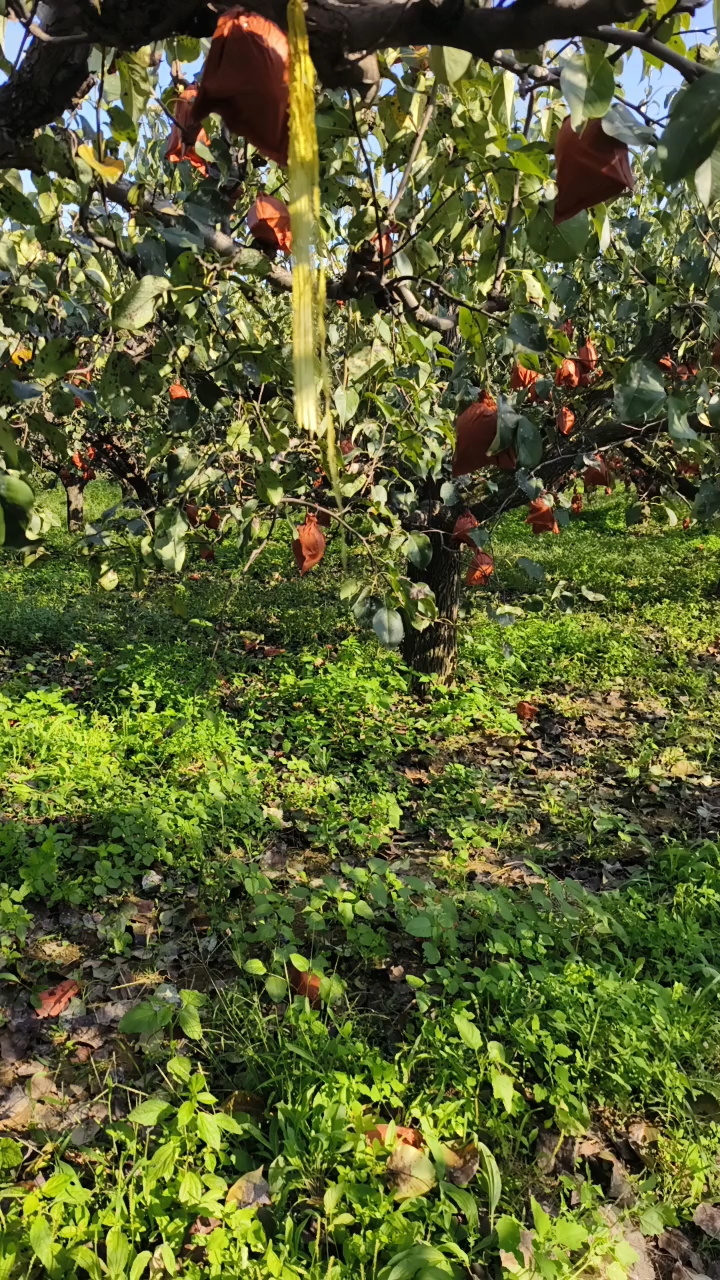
636	40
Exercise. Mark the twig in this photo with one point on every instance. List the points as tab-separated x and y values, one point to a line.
636	40
371	176
414	152
512	206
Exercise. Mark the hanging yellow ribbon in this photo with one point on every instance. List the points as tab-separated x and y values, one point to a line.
313	412
304	181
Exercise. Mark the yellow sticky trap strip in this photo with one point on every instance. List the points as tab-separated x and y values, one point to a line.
304	181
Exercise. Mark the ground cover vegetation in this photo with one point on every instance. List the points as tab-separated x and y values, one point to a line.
359	851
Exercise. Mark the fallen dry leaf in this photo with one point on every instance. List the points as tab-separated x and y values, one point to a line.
410	1137
461	1164
707	1218
251	1189
305	984
411	1172
54	1000
680	1248
526	711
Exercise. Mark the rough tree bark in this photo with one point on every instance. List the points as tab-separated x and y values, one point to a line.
433	652
75	500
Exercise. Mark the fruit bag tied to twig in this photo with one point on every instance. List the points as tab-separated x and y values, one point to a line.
245	80
591	168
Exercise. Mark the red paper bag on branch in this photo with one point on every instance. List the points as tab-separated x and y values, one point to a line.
475	430
463	527
568	374
588	357
309	546
591	168
597	476
542	517
269	221
184	128
245	80
565	421
481	568
522	379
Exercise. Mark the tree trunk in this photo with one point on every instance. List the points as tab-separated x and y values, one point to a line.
75	497
433	652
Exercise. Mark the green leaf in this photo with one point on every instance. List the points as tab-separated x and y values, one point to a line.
468	1032
449	65
209	1130
117	1252
491	1174
16	205
140	1264
531	568
56	358
558	244
693	130
276	988
639	391
574	87
503	1088
679	429
508	1234
573	1235
388	627
419	926
41	1240
707	179
14	492
347	402
180	1068
299	962
11	1153
269	486
150	1111
189	1020
137	306
542	1220
529	444
419	550
255	967
600	89
145	1018
619	122
191	1189
135	84
527	332
89	1261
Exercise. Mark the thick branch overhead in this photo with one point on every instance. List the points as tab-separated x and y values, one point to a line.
53	71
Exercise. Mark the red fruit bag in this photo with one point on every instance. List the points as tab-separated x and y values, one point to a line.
309	546
598	476
542	517
178	392
245	80
565	421
480	569
177	148
522	379
588	357
269	221
591	168
568	375
463	527
475	430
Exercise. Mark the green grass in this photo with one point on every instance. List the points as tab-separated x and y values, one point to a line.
511	933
